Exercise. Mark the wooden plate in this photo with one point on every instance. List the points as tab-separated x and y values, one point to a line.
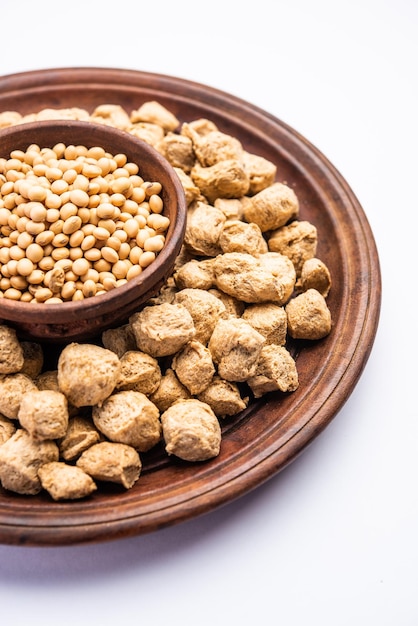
273	431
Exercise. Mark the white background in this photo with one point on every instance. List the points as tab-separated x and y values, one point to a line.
332	539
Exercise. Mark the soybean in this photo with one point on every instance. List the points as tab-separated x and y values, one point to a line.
71	214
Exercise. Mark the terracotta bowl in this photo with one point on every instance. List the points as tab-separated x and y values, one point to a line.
74	321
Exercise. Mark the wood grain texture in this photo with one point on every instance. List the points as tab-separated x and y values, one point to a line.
273	431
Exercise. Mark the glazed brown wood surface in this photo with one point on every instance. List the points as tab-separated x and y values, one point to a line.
275	430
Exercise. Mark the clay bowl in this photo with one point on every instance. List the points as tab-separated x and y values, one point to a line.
74	321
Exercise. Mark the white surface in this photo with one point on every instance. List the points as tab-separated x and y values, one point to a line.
332	539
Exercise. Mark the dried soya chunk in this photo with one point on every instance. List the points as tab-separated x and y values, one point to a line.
275	371
191	430
202	126
20	459
112	462
119	340
214	146
268	319
44	414
80	435
203	229
223	397
191	191
272	207
315	275
139	372
87	374
47	380
112	115
11	351
169	391
129	417
166	293
261	172
225	179
204	308
7	428
308	316
163	329
12	389
297	240
9	118
33	356
155	113
65	482
195	274
235	347
233	306
194	367
68	113
148	132
232	208
255	279
238	236
178	150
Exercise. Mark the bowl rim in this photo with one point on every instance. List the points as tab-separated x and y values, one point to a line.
16	311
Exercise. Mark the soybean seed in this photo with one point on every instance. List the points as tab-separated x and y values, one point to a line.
155	203
146	258
68	290
93	254
154	244
157	222
81	208
12	294
75	253
37	212
101	265
65	264
46	263
42	294
109	254
60	253
36	193
71	225
25	266
133	271
36	277
109	283
105	210
24	240
53	201
53	215
76	238
80	266
18	282
45	237
88	242
124	250
79	196
78	295
89	288
101	234
69	209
